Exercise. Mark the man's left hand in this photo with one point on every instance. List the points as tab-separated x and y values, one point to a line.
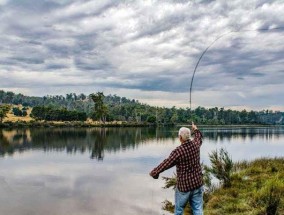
154	175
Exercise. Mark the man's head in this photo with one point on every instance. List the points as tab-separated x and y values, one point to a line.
184	134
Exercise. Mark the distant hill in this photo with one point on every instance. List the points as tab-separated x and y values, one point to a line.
123	109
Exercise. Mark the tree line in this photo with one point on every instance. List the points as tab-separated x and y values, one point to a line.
115	108
52	114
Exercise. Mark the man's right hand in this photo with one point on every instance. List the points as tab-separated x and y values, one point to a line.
194	127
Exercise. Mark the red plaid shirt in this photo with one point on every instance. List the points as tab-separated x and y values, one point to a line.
186	158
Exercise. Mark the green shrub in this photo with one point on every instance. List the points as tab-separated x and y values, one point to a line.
170	182
221	166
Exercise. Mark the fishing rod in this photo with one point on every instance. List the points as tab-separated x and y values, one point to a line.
212	43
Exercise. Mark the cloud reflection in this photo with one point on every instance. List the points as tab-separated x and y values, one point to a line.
49	171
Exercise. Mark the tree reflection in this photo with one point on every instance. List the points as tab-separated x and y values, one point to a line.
74	140
266	133
98	146
98	140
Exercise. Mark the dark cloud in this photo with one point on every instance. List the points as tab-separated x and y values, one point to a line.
27	60
33	6
55	66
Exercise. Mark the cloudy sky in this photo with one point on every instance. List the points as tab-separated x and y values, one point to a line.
146	50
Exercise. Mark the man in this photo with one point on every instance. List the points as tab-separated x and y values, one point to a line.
186	158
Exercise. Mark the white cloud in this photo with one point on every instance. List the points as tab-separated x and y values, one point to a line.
3	2
145	48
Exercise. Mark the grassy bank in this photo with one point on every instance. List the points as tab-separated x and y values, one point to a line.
257	188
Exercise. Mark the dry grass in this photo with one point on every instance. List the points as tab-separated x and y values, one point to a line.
12	118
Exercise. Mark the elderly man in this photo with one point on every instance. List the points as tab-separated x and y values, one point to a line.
186	158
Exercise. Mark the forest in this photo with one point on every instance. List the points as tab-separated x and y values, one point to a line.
97	106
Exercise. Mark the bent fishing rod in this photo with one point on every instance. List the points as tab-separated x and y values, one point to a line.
214	41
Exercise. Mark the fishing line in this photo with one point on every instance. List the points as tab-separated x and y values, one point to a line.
212	43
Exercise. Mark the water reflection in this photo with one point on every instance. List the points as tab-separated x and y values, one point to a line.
54	170
77	140
266	133
98	140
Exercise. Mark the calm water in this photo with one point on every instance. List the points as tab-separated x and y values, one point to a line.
105	171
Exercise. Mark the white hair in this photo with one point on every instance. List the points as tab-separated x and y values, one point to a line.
184	133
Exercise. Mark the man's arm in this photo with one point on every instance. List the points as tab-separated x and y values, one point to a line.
197	135
166	164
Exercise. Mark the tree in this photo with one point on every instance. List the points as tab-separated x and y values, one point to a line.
4	109
82	96
25	113
151	119
174	117
100	109
9	97
17	111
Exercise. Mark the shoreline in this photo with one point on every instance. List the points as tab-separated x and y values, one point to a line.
35	124
76	124
233	125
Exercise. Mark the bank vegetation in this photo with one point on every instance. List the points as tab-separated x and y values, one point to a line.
244	188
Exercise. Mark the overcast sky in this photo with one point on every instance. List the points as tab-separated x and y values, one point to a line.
146	50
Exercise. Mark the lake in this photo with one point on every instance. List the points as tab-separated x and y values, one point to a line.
104	171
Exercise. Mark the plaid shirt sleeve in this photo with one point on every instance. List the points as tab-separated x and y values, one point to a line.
167	163
197	138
